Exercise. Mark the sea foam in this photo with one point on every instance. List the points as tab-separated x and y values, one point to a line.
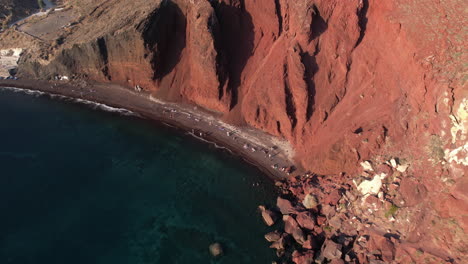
91	104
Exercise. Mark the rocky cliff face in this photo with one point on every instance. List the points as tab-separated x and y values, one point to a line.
343	81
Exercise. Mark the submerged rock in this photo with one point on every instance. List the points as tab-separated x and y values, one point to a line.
216	249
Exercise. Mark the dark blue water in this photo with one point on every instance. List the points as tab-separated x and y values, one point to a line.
84	186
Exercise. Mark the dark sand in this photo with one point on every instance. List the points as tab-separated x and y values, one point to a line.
187	117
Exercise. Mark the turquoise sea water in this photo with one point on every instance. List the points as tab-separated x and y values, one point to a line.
84	186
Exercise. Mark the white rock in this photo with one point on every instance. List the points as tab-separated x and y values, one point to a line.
380	195
310	201
373	186
367	166
402	168
393	163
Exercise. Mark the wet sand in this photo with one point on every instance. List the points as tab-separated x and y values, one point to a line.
254	146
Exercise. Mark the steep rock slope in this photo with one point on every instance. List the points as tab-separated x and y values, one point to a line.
343	81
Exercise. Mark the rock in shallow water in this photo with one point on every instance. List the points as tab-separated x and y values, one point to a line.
269	217
216	249
273	236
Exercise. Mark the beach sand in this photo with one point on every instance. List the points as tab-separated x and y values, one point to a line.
254	146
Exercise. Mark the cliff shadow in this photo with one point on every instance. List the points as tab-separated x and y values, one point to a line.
362	15
164	33
311	68
318	26
235	43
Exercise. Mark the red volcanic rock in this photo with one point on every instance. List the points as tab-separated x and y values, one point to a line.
285	206
273	236
331	250
384	168
321	220
412	192
306	220
291	227
332	198
310	243
306	257
337	261
269	217
383	245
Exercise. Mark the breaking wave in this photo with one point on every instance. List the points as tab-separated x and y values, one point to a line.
209	142
91	104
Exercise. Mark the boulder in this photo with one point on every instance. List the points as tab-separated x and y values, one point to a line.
366	166
335	222
332	198
306	257
292	227
280	245
310	201
385	246
285	206
269	217
328	210
321	220
216	249
310	243
273	236
331	250
306	220
371	186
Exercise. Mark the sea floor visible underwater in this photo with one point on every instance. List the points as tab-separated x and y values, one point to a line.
78	185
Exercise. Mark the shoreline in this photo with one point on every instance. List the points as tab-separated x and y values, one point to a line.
252	146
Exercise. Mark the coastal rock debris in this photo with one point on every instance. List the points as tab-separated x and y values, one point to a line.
269	217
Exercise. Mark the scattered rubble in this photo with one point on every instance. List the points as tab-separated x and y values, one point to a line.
348	219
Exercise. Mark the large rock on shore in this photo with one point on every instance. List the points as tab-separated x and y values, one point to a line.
285	206
331	250
291	227
306	220
306	257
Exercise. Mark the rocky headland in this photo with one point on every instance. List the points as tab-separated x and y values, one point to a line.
371	95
